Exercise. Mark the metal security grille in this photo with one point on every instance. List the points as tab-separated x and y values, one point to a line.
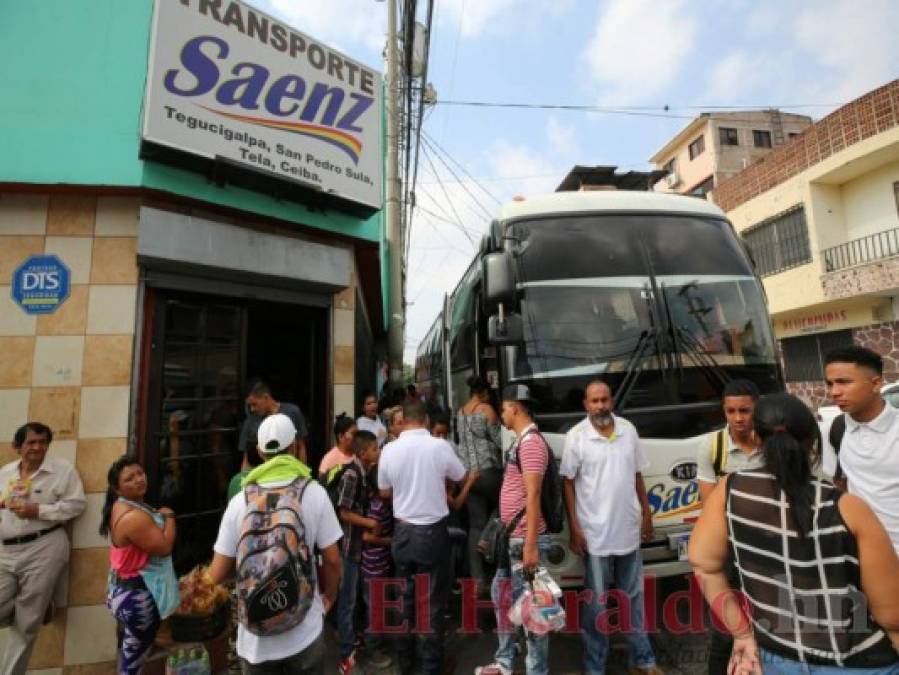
804	356
780	243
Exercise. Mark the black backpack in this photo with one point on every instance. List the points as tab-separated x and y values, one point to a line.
331	482
835	436
551	504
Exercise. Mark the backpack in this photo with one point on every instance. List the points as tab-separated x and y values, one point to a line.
835	436
331	482
719	455
551	505
276	575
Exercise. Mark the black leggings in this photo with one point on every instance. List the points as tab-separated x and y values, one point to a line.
483	500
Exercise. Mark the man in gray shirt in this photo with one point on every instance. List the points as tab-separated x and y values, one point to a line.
262	404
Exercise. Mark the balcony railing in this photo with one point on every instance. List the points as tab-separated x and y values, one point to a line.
863	250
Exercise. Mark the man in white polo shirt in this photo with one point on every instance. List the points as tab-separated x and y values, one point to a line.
413	472
607	509
868	456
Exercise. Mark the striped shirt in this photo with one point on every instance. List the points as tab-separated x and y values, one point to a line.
804	593
533	454
376	560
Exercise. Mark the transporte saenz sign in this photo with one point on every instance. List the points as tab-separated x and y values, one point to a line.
226	80
41	284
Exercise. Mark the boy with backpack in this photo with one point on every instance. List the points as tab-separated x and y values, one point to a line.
719	453
349	491
270	533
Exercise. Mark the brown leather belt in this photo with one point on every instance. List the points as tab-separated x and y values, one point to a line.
26	538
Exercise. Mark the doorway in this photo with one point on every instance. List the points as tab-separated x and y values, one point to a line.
203	350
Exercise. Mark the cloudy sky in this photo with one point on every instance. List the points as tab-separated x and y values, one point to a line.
634	56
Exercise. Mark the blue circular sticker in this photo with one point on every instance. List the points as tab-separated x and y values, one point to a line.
41	284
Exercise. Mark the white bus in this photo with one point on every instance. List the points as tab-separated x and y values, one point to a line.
653	293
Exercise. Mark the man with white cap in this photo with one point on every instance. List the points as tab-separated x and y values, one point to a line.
283	636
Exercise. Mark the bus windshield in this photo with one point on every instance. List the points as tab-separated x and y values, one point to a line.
673	296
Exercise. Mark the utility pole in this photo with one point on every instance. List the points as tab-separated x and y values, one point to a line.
396	310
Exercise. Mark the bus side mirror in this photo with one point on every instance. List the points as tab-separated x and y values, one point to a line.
505	331
499	280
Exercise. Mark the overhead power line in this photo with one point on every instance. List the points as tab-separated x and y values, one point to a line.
458	221
462	168
456	176
652	110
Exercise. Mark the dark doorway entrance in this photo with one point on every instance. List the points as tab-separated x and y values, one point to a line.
202	351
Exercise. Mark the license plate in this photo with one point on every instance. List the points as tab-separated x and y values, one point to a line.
682	547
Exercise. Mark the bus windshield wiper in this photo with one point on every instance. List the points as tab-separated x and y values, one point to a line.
700	356
633	368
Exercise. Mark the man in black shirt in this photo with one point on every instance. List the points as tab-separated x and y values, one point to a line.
261	404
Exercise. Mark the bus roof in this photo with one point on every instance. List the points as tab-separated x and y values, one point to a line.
606	200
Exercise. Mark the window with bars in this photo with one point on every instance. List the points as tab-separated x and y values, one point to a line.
761	139
728	136
780	243
804	356
697	147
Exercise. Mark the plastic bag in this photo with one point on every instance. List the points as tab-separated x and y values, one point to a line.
538	609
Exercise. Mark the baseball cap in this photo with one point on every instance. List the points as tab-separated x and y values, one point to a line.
517	392
275	434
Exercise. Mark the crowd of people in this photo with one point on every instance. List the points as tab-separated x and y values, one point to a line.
795	550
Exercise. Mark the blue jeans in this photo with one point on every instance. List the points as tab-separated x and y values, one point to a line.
780	665
346	607
626	572
537	659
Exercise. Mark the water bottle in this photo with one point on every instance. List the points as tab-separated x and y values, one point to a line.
205	667
183	663
171	665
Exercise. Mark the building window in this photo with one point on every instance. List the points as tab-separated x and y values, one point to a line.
697	147
728	136
703	188
761	139
804	356
779	243
670	166
792	134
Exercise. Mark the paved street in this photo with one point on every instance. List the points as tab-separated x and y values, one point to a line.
679	654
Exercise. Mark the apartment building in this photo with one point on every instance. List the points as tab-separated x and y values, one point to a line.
717	146
820	215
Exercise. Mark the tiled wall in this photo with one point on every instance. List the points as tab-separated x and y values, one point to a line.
343	341
71	370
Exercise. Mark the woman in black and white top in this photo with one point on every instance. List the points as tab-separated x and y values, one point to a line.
819	575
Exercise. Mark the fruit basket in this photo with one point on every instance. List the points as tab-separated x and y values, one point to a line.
203	613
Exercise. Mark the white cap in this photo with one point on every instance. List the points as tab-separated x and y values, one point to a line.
275	434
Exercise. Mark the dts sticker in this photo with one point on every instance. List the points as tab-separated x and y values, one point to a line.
41	284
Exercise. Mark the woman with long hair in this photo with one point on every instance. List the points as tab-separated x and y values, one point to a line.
477	425
802	550
142	589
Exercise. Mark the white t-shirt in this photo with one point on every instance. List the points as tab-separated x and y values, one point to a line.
375	426
604	471
869	455
322	530
415	466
